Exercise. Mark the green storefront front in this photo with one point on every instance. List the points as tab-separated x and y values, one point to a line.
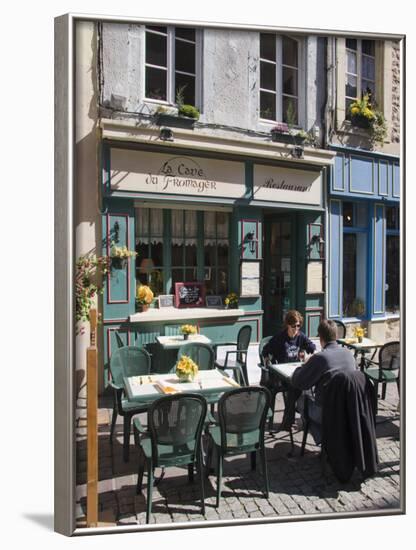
238	223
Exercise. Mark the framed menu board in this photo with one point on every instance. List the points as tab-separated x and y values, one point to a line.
250	278
189	295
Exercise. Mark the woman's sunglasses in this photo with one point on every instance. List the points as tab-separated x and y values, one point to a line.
297	325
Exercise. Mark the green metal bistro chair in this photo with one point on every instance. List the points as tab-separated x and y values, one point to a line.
269	379
239	365
120	342
173	438
341	329
124	362
202	354
386	369
242	418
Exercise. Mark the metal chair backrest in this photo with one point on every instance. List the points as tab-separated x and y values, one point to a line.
129	361
242	413
262	343
389	356
341	329
119	341
202	354
177	421
243	341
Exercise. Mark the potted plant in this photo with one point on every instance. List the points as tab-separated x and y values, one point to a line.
186	369
119	256
186	330
89	271
280	132
364	115
183	116
231	301
144	297
359	333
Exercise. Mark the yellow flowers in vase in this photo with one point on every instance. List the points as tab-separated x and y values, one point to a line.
359	333
186	330
144	297
186	369
231	301
119	255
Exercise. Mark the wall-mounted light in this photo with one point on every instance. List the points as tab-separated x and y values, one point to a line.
165	134
297	152
317	239
251	240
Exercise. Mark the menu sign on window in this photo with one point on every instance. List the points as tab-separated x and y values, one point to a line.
189	294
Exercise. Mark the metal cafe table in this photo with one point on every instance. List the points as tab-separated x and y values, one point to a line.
148	388
167	349
360	347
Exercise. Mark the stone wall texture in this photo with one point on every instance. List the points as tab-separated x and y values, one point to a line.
395	125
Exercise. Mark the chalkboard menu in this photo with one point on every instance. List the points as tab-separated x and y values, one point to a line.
189	294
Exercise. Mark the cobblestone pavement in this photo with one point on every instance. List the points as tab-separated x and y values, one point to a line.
298	485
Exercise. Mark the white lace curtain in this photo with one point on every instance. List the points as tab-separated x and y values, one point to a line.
156	225
179	232
183	226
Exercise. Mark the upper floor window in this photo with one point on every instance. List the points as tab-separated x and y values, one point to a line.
279	78
360	70
171	64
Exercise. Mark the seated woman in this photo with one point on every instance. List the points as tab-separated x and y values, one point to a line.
288	346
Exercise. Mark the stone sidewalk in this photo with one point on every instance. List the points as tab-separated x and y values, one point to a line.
297	484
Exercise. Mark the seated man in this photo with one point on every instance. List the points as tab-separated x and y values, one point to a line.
320	368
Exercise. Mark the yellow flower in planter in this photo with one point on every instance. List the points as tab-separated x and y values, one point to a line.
186	369
144	295
188	329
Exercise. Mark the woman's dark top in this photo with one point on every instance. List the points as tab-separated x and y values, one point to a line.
286	350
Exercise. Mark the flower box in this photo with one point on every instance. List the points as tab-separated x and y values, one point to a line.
287	138
175	121
360	121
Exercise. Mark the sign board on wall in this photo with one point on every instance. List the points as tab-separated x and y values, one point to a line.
172	174
250	278
276	184
189	294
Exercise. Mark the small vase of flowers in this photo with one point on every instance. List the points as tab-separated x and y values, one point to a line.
186	330
186	369
359	333
144	297
231	301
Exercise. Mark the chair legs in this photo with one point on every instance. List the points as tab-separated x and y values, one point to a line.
305	435
200	468
113	422
149	491
265	473
126	437
219	478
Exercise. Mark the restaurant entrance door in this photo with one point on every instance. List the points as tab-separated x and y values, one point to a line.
279	284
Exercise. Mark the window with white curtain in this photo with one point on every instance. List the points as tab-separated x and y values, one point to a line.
197	249
360	71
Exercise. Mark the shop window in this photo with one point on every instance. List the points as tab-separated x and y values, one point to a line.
354	259
171	67
360	70
392	260
279	78
198	249
216	251
184	246
150	269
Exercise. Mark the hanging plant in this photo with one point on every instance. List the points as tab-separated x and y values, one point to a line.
89	272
